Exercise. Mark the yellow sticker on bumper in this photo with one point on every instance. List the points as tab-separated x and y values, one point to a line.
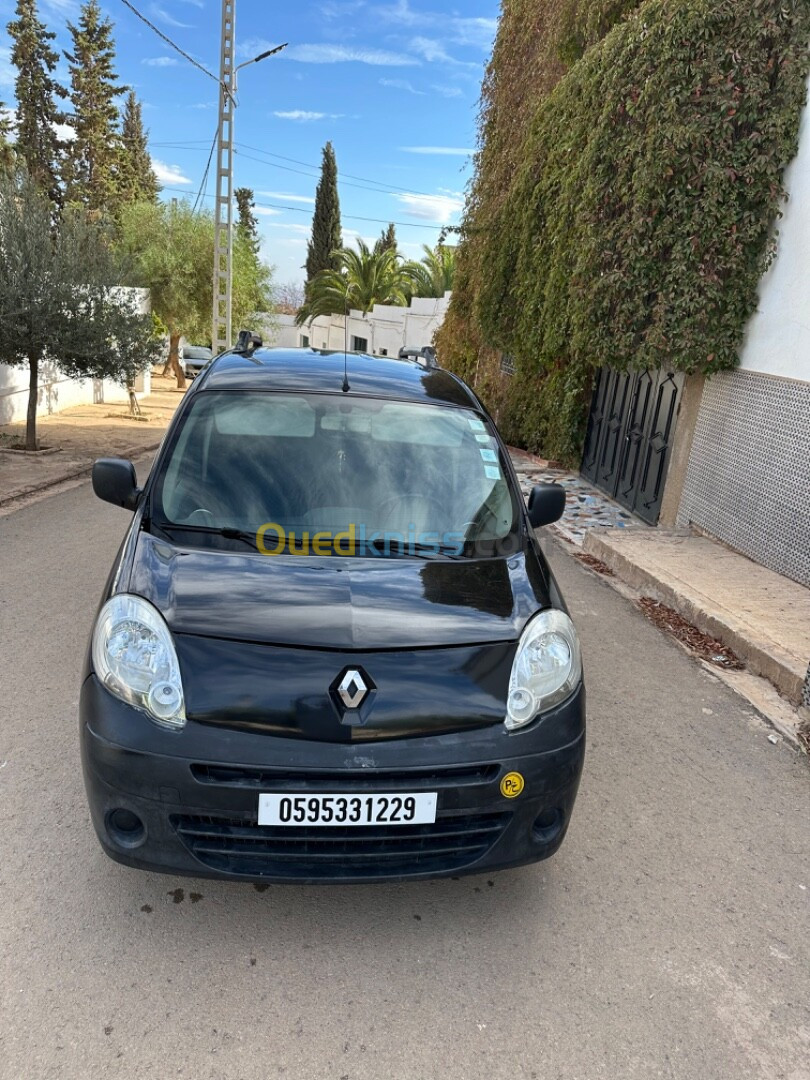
512	785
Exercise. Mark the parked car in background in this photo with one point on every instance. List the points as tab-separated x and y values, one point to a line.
195	358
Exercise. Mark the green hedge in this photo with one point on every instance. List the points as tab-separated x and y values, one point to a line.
640	219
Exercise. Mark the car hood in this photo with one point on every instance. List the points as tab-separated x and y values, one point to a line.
335	603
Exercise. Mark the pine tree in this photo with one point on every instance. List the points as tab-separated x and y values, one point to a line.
388	240
326	235
136	177
37	93
93	155
248	222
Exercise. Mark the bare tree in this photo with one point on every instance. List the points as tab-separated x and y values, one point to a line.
289	297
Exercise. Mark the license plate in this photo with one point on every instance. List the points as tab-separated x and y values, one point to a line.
329	810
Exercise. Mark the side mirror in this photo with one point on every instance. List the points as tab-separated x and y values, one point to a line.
114	481
546	504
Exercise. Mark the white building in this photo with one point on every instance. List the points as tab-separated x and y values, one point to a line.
383	332
748	476
57	391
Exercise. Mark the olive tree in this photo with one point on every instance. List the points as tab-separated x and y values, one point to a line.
61	299
173	249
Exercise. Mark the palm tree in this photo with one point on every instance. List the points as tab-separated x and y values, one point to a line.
434	275
364	277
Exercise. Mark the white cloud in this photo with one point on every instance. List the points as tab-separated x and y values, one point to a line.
435	53
477	33
168	174
402	84
340	9
447	91
402	14
68	8
431	50
448	151
204	105
265	211
347	54
157	12
304	116
301	115
64	132
161	61
289	198
289	226
440	209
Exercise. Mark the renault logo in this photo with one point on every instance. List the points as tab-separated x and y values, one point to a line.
352	689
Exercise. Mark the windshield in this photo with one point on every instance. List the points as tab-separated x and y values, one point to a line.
197	352
328	474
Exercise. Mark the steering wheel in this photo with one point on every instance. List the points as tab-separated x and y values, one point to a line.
200	516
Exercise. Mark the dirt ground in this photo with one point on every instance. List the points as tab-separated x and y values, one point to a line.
81	434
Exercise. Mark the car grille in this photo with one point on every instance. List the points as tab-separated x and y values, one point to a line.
239	846
344	780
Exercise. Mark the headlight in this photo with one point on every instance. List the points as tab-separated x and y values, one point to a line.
546	668
134	656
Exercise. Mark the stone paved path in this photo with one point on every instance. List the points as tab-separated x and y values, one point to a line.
586	507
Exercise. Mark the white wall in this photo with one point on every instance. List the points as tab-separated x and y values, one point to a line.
57	392
386	329
778	336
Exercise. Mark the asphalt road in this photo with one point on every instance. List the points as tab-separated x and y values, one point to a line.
670	937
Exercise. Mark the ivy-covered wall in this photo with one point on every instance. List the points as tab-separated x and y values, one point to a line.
622	211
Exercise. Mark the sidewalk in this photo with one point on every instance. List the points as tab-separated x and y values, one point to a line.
763	617
81	434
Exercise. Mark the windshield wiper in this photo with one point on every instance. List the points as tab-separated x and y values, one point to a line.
210	530
418	551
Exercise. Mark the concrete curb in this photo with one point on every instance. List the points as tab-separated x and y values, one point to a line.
761	657
71	474
757	691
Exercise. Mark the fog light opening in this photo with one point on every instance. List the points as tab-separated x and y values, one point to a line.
548	825
126	828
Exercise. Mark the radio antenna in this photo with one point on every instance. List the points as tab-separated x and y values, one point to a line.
346	387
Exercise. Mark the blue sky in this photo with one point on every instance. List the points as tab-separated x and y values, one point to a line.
393	83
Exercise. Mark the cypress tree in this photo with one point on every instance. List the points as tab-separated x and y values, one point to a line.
388	240
326	235
136	177
93	155
248	222
38	93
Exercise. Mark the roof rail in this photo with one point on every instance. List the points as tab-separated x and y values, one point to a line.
426	356
247	342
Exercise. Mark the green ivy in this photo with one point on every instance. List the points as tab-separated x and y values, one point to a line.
640	218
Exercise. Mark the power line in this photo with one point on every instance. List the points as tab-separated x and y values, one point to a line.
378	185
204	182
317	168
169	42
381	190
348	217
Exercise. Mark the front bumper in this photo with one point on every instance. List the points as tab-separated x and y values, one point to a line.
196	795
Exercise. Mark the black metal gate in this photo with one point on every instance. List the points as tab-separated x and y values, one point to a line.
629	437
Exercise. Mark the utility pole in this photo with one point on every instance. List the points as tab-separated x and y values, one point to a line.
222	330
222	327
